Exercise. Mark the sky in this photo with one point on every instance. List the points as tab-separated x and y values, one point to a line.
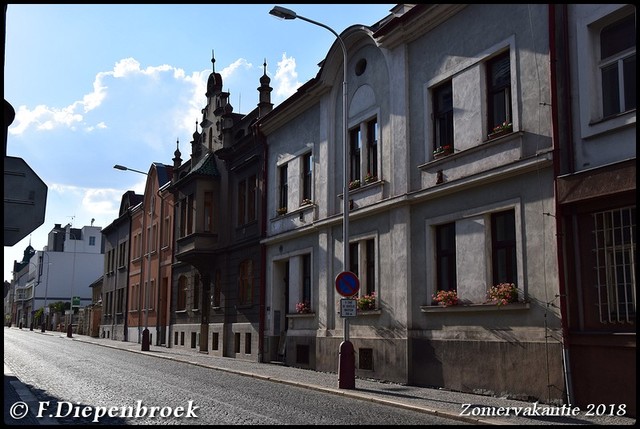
97	85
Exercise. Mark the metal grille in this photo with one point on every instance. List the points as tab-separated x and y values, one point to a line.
615	258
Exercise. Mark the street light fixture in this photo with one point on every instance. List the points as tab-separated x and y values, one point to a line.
145	333
346	363
123	168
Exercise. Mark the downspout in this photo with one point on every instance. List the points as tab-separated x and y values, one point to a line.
557	170
263	247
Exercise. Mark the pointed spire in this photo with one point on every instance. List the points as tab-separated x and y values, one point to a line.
213	62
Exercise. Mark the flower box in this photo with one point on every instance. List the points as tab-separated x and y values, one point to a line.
354	184
306	202
367	302
303	307
281	211
500	130
446	298
442	151
503	293
370	178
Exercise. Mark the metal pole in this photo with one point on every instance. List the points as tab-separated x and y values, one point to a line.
73	280
346	362
45	310
145	332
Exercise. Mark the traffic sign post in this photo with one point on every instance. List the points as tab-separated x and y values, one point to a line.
25	199
347	285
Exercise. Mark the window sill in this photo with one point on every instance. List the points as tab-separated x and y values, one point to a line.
466	308
374	312
300	315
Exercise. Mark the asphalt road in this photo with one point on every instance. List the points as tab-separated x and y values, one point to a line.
75	381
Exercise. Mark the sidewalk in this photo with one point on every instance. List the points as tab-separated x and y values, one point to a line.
429	400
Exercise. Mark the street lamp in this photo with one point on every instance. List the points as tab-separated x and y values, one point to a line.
123	168
346	363
145	333
45	311
73	279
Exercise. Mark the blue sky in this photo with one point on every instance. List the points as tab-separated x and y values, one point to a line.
97	85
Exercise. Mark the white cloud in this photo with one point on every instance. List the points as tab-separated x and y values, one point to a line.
286	78
228	71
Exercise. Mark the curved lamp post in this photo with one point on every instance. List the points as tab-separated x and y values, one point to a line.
346	363
45	310
145	333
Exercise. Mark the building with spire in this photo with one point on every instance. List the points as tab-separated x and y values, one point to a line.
218	195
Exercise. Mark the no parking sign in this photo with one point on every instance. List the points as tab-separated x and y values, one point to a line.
347	284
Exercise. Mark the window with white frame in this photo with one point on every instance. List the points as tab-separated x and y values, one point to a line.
283	186
459	255
499	91
615	265
443	118
306	278
364	141
503	247
362	262
446	257
307	176
618	66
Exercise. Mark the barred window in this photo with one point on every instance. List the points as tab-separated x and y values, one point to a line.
615	257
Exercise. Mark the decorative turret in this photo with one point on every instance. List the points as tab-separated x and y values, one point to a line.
214	84
196	144
177	161
264	105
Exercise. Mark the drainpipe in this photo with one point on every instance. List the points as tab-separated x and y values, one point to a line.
263	247
557	168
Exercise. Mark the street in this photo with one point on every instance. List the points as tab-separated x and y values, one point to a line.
82	383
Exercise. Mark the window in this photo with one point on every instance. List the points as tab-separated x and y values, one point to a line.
166	232
355	142
92	241
208	212
252	185
618	66
182	293
364	137
306	278
196	293
362	262
245	282
216	289
372	148
446	257
499	90
443	116
187	207
284	188
247	200
307	175
503	247
122	254
242	201
615	267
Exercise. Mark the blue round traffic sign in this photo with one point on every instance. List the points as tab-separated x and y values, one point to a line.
347	284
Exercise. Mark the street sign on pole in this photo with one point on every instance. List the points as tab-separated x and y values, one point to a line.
347	284
348	307
25	199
